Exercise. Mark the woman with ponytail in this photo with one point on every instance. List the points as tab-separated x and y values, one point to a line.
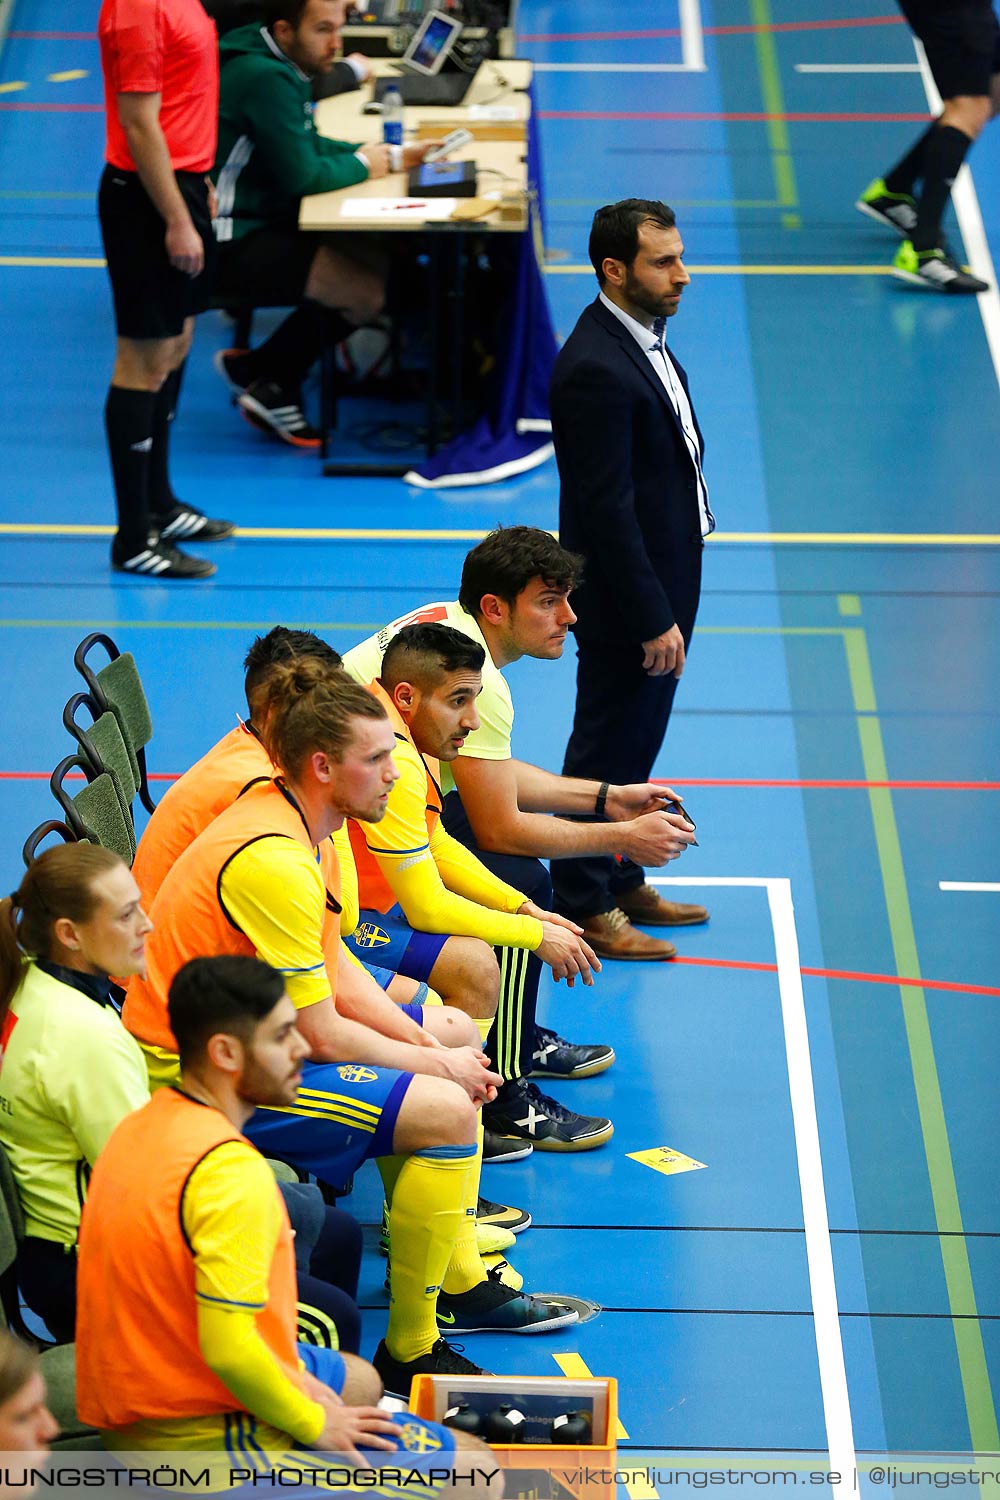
69	1070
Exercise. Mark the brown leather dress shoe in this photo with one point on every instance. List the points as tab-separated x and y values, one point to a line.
646	905
611	935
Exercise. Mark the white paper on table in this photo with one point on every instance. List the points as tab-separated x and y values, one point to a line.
492	112
399	209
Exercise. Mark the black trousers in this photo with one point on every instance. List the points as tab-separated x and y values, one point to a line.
620	721
512	1038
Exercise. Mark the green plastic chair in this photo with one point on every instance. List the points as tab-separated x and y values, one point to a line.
96	812
118	687
29	851
101	744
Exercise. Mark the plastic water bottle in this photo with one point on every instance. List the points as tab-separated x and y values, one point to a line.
392	117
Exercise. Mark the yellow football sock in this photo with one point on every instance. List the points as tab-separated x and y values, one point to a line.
465	1269
426	1210
484	1028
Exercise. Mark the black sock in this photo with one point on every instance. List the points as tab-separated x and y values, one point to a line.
293	348
128	419
943	156
907	171
161	496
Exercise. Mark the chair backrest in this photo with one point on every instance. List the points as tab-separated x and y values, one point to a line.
29	851
118	687
11	1235
96	812
102	744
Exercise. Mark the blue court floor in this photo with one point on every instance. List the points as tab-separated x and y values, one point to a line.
824	1276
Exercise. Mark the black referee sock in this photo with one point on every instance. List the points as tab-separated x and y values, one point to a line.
943	156
908	171
128	420
161	497
295	345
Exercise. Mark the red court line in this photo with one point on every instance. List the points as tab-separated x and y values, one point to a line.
62	109
802	117
630	36
856	977
912	786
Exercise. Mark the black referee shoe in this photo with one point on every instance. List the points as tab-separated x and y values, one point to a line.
182	522
161	560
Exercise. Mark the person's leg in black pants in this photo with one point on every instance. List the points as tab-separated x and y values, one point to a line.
618	728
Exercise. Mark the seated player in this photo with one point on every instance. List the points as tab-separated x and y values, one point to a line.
466	972
196	1346
271	156
69	1072
262	880
514	602
414	879
69	1069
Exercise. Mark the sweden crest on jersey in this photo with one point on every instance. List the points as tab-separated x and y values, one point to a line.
355	1073
370	936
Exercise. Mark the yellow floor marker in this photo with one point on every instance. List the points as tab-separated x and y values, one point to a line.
10	88
70	76
666	1160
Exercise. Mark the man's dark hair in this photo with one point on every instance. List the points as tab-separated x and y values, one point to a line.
426	654
614	233
291	11
232	993
278	647
506	561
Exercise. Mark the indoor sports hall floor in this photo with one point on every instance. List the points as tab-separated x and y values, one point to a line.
835	734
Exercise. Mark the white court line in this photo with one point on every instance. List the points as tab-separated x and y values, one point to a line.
857	67
968	885
819	1251
970	222
692	36
549	67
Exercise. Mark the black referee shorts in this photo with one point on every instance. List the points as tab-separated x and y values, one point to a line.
961	40
152	298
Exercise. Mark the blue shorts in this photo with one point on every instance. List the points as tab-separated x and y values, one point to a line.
390	936
417	1436
344	1114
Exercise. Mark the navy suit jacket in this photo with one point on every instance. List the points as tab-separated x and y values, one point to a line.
628	497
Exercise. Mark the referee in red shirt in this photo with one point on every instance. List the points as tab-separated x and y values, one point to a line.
161	90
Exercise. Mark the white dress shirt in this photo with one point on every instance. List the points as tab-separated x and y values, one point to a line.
655	349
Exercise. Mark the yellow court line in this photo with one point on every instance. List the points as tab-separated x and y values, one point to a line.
880	270
576	1368
376	534
91	263
71	262
10	88
69	76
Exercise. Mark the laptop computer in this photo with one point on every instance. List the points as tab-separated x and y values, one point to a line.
420	79
447	89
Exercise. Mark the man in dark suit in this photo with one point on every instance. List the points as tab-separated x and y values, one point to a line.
634	502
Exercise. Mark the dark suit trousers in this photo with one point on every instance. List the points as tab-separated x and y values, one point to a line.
512	1037
621	719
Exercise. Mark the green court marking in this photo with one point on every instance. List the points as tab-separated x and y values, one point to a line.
774	104
849	604
930	1106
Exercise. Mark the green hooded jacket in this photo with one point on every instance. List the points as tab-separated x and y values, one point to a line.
270	154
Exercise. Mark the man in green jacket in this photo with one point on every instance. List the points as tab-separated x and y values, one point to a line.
270	156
